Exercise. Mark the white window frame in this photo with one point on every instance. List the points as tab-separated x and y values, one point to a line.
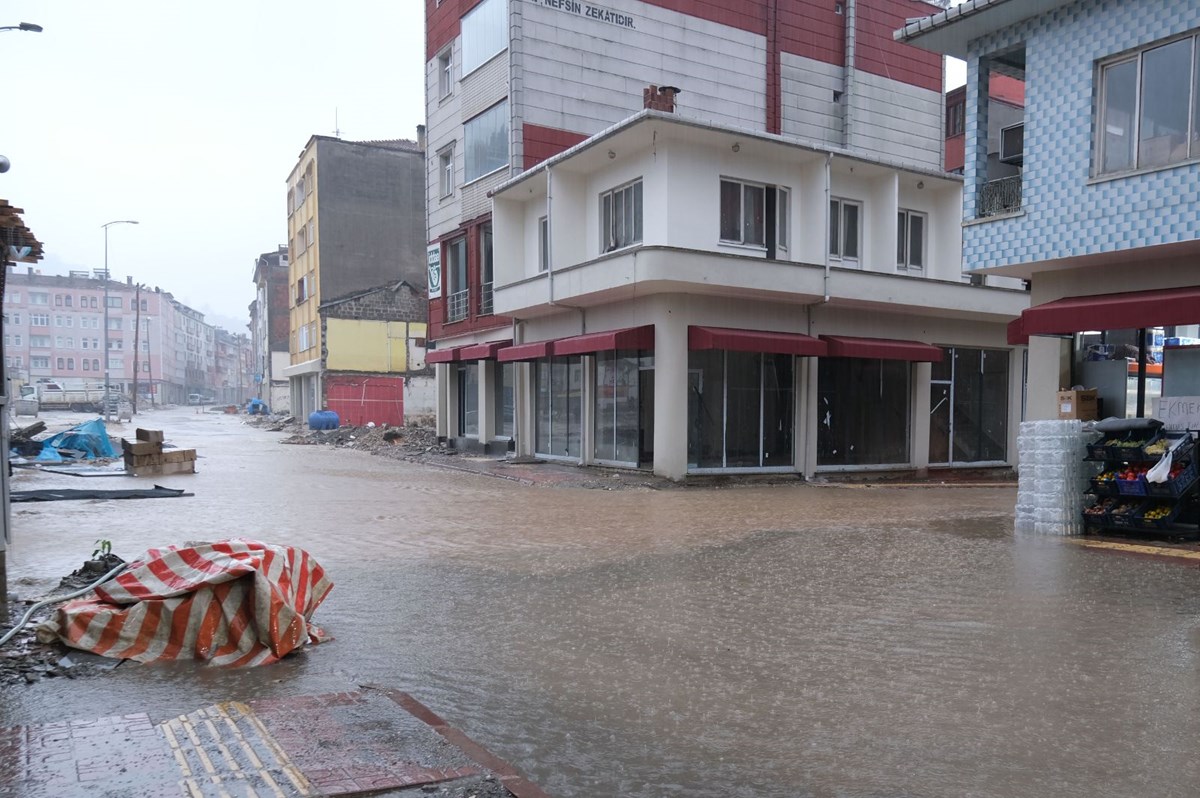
904	220
743	185
836	247
608	234
544	244
783	210
446	172
1191	136
502	109
445	66
782	202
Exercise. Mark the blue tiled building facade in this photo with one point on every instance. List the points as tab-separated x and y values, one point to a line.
1067	209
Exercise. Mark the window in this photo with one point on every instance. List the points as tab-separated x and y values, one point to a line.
83	342
504	383
70	320
39	362
146	366
145	306
621	217
92	302
485	142
39	319
468	399
58	342
863	407
1149	114
15	318
71	364
956	119
83	301
95	364
843	229
116	343
754	214
543	243
39	341
486	271
558	406
740	409
60	363
117	363
910	240
67	300
299	194
113	302
456	279
312	232
133	304
58	300
58	321
115	324
484	34
446	171
87	365
38	298
302	290
70	342
446	72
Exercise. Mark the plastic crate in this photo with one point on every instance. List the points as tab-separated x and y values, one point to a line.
1131	487
1176	487
1132	453
1098	450
1127	520
1165	522
1097	514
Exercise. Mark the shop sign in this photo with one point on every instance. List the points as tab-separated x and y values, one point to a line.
434	258
590	11
1179	412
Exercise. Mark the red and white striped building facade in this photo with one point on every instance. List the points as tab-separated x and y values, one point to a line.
520	89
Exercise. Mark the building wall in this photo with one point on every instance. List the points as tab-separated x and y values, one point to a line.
1066	214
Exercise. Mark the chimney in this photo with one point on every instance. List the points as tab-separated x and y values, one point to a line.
128	281
421	137
659	98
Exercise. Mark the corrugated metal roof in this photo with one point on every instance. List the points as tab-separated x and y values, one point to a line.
949	31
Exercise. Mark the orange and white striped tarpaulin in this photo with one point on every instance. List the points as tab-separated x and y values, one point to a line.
234	602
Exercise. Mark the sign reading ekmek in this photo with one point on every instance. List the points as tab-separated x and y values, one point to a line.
590	11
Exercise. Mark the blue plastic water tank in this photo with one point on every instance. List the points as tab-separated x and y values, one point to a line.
323	419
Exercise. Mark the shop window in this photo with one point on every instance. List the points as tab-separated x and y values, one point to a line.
910	240
968	407
485	142
740	410
862	412
621	411
1149	109
505	392
844	233
621	217
558	406
468	399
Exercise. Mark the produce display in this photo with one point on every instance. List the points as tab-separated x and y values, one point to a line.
1124	509
1126	502
1100	508
1158	447
1155	513
1106	478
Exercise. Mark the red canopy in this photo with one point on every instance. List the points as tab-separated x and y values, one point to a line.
776	343
882	349
482	351
447	355
1128	311
628	338
537	349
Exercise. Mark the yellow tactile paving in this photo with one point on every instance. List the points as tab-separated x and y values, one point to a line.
1136	548
224	750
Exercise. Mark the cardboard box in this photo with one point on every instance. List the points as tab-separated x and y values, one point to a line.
1082	405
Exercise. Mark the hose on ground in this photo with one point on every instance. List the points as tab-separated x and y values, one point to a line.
55	599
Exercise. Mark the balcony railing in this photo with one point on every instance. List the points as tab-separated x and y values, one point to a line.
485	299
999	196
456	306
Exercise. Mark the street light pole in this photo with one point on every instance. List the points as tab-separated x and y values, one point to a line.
106	225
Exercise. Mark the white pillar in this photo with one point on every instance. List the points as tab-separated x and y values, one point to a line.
812	418
670	397
487	406
524	392
1046	376
921	375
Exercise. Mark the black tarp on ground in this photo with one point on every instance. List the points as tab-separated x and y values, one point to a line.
54	495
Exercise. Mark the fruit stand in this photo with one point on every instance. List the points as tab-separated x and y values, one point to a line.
1123	500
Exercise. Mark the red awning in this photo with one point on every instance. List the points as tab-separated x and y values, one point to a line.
482	351
628	338
882	349
1016	332
537	349
447	355
1128	311
775	343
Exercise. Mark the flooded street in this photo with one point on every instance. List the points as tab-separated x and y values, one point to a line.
755	641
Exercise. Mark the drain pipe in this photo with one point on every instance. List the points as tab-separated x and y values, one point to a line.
550	252
828	202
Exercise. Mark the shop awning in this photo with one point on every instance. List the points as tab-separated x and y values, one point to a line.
628	338
1128	311
1016	332
482	351
882	349
447	355
538	349
775	343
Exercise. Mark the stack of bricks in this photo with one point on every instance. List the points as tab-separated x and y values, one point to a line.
145	457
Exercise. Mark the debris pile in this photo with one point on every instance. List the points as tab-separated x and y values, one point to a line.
396	442
145	456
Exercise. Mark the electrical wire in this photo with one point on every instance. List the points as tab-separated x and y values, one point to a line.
55	599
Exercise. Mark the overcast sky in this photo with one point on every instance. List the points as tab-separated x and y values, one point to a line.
188	117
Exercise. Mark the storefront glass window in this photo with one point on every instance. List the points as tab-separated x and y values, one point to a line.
468	399
740	409
863	410
559	406
968	407
504	382
618	406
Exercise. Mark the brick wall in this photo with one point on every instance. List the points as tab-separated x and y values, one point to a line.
402	303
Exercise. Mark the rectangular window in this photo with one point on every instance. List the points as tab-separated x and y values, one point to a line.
619	405
71	363
781	219
843	229
955	119
70	342
83	342
113	302
485	142
70	320
39	362
456	279
58	341
115	324
58	300
67	300
116	363
558	406
543	243
484	34
95	364
92	302
39	319
863	411
505	383
15	318
446	171
38	298
60	363
468	399
910	240
133	303
754	215
740	409
445	72
486	273
621	217
1149	108
87	365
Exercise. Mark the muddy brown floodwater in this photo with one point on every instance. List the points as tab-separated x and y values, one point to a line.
760	641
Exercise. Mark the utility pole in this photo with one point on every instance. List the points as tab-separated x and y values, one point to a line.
137	352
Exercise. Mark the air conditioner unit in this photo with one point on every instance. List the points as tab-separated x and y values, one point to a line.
1012	144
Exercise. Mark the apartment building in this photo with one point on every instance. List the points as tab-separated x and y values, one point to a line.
356	215
1104	224
269	328
705	240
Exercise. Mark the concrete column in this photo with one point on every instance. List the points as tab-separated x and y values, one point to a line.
801	428
442	377
523	396
670	397
921	375
452	430
587	431
975	142
1046	375
487	408
1016	376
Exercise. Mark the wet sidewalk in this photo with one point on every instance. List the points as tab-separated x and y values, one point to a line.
373	741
